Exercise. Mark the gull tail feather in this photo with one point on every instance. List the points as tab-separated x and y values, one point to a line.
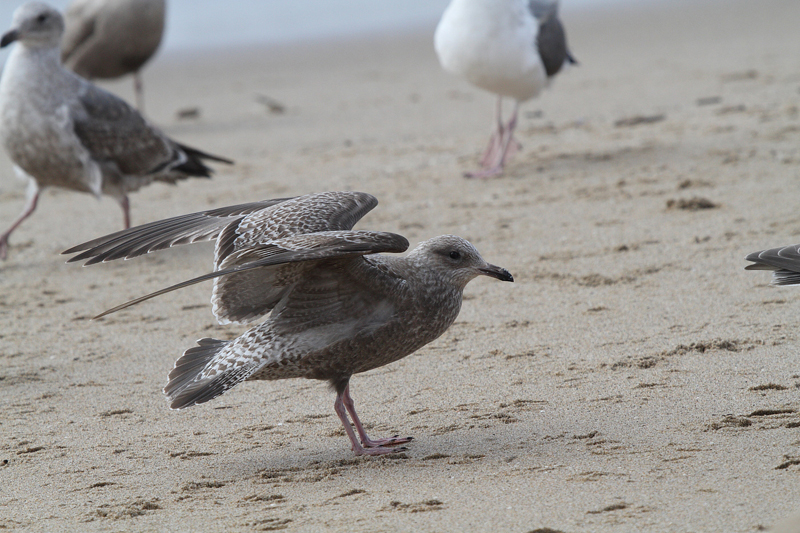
785	277
185	386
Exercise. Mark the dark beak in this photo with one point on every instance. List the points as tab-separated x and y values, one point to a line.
9	38
496	272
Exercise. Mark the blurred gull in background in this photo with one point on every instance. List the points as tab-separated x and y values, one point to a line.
112	38
60	130
509	47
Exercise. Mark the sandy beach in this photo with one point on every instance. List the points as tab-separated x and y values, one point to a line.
633	378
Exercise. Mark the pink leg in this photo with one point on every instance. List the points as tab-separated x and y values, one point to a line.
342	406
490	154
362	434
29	209
508	148
126	210
511	145
496	140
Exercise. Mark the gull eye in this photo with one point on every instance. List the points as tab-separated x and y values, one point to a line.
455	255
41	18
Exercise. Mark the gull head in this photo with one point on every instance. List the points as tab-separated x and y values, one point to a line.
455	260
36	25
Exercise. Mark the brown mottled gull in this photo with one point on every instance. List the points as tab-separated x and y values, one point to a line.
336	306
783	261
512	48
62	131
112	38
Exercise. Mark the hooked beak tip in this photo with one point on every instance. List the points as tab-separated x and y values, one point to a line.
497	272
8	38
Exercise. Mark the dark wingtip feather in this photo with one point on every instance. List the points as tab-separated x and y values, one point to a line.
753	257
571	59
89	244
204	155
759	266
161	234
194	164
784	259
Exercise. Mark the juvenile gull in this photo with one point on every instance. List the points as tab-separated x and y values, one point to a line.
112	38
783	261
62	131
336	307
509	47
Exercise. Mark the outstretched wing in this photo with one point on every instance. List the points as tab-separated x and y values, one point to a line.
312	213
257	278
184	229
784	262
254	280
262	248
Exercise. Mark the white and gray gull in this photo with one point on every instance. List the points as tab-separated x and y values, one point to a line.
112	38
60	130
508	47
336	305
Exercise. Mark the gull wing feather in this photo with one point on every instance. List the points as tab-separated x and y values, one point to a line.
783	261
283	252
184	229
